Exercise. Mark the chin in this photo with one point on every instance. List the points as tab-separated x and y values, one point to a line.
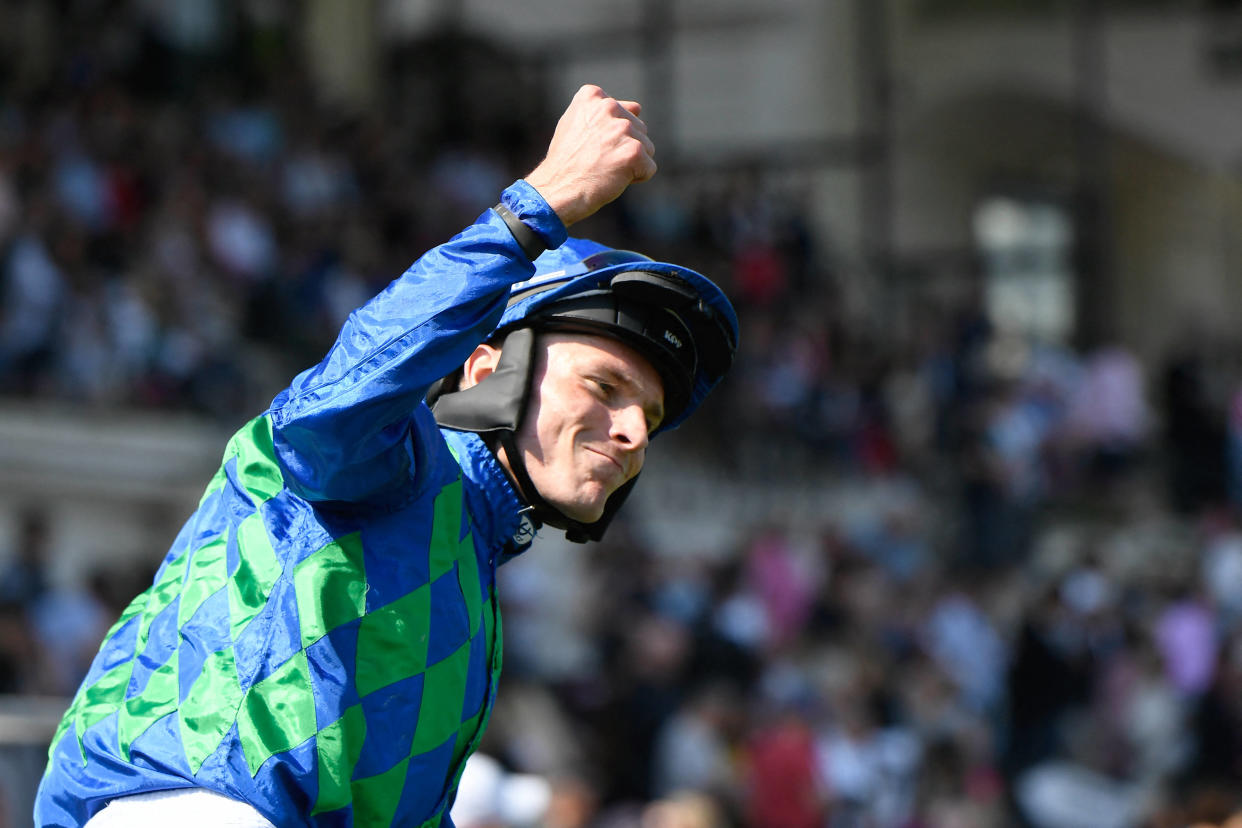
584	511
584	515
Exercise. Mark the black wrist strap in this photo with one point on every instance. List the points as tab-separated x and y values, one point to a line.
527	239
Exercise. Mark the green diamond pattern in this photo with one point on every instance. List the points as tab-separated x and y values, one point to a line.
71	715
376	797
446	530
208	574
278	712
256	573
158	699
257	469
100	699
392	641
215	484
339	746
331	587
107	694
444	685
209	709
161	595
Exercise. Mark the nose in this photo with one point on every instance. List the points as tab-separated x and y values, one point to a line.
629	427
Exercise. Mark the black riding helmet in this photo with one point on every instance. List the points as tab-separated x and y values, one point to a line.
677	319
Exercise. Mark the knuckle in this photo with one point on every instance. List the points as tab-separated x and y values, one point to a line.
591	93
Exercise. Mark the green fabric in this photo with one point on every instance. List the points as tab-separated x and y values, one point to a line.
202	716
331	588
100	699
392	642
208	574
278	712
376	797
156	701
161	595
446	531
71	715
256	574
339	748
257	468
209	708
107	693
217	482
444	684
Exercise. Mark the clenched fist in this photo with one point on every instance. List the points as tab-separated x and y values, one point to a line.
599	148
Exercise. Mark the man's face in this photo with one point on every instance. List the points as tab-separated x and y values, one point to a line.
593	405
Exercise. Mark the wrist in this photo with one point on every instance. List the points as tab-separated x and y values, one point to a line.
533	221
566	203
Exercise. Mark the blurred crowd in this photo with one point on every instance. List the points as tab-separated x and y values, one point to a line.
1047	632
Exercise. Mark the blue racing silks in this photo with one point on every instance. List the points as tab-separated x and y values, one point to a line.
322	639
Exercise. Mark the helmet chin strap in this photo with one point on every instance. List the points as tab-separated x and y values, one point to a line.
494	408
546	513
515	464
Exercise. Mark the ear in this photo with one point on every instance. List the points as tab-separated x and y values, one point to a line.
479	365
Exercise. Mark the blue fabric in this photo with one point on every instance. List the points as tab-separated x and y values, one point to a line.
359	457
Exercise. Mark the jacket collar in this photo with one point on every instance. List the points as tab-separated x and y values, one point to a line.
501	519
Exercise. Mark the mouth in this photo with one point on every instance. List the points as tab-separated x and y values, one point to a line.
609	458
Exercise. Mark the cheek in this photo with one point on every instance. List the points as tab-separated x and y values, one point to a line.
640	458
577	413
551	434
566	414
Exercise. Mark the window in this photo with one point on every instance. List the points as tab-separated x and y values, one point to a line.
1026	248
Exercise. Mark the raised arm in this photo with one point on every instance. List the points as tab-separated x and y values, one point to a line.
346	429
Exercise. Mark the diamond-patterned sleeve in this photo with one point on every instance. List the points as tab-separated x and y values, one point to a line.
341	427
326	670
